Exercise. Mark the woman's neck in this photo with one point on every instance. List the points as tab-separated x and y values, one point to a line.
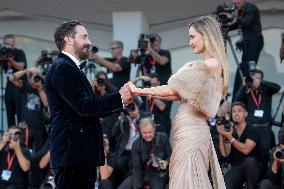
206	55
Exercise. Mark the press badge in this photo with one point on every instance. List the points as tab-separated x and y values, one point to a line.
258	113
9	72
153	70
110	75
6	175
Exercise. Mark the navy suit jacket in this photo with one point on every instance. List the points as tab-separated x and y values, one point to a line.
76	137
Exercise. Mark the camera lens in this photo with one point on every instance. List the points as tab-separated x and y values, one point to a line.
37	78
101	82
130	108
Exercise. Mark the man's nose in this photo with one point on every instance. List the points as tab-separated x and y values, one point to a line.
89	42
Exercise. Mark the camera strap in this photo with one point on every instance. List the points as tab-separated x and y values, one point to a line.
10	159
257	102
151	105
152	61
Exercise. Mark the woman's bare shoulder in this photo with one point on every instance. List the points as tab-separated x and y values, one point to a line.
214	65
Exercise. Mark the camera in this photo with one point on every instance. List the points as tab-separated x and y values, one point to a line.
279	153
95	49
224	8
15	135
45	61
37	78
147	84
45	57
130	107
154	162
226	123
101	82
143	43
6	52
49	184
252	68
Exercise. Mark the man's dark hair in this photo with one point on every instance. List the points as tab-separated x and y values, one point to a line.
259	71
239	104
154	75
65	29
8	36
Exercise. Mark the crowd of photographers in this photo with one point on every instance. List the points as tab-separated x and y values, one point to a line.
137	141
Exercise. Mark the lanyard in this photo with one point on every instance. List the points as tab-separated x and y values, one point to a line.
257	103
151	105
152	62
27	137
10	159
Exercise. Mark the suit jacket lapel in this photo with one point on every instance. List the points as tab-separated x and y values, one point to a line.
83	76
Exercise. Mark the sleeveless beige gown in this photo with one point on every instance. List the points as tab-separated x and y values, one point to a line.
193	151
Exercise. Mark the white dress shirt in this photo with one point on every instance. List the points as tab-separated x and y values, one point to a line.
77	62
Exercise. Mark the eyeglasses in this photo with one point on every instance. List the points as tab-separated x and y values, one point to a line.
113	48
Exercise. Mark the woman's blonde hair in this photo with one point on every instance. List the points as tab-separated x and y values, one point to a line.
210	29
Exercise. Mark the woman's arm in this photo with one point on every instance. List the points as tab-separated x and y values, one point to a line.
163	92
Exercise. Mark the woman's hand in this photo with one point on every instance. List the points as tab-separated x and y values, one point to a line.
133	89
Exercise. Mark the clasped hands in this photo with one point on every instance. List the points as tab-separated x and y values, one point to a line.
128	92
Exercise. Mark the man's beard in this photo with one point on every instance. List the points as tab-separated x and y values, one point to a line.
80	51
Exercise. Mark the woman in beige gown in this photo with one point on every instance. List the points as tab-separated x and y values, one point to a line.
199	86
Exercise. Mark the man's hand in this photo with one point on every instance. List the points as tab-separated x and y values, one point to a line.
14	144
164	164
276	159
227	135
126	95
6	138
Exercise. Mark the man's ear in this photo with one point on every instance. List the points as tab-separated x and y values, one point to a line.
68	40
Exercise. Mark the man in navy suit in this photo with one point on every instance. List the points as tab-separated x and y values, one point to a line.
76	137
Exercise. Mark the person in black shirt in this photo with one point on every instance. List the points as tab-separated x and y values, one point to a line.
118	67
240	148
258	100
106	171
34	102
12	96
248	21
150	157
158	61
159	109
275	171
14	158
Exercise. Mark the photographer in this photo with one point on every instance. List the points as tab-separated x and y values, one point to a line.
158	60
46	59
16	60
34	105
159	109
257	96
101	86
118	67
275	171
251	43
150	158
238	144
126	132
106	171
14	159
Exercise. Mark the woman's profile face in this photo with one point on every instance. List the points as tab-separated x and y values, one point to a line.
196	41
